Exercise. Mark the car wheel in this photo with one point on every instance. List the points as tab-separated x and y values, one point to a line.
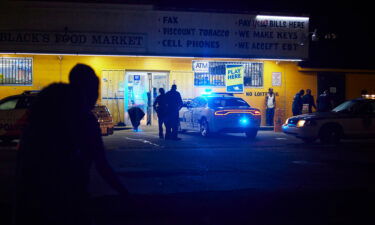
330	134
251	134
308	140
204	128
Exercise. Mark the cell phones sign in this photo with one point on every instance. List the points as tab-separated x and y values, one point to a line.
234	78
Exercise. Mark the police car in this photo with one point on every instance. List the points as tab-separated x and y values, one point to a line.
14	112
220	112
352	119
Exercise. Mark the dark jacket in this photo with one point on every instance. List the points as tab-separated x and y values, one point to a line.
297	104
309	99
160	105
174	101
324	103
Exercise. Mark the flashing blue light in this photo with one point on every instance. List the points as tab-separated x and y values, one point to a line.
244	121
206	92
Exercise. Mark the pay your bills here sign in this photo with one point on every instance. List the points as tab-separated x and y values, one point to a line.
234	78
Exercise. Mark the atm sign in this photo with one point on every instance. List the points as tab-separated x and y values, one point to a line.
201	66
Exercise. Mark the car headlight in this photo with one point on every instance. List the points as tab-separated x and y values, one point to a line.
301	123
305	123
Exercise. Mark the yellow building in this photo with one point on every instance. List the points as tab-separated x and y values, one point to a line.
154	49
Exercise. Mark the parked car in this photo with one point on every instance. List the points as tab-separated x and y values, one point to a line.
14	110
220	113
352	119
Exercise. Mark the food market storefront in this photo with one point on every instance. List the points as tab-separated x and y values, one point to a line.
135	50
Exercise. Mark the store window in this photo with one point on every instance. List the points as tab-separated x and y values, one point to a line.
16	71
215	74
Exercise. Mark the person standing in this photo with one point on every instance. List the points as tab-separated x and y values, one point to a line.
297	103
174	104
308	100
270	107
324	102
160	106
57	150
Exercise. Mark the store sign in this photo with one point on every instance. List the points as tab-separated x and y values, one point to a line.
154	33
234	79
201	66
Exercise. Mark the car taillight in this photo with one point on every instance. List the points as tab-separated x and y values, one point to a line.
235	111
255	112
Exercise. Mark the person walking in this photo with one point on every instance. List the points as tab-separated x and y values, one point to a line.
56	152
324	102
160	106
270	107
174	104
308	101
297	103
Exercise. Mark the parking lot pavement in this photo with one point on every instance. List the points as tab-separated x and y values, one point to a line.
226	179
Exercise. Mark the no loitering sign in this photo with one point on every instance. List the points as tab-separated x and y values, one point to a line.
234	78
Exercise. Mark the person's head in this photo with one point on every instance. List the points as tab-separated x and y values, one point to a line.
308	91
270	90
301	92
85	85
174	87
161	91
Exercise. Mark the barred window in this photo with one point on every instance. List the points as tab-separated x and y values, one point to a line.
253	74
16	71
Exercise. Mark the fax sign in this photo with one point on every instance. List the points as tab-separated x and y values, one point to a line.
234	78
201	66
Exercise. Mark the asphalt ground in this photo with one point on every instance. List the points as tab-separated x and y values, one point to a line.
226	179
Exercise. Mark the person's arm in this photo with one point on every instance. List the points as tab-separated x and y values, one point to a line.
156	102
107	173
265	100
179	103
94	143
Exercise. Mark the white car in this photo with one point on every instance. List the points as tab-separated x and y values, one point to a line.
220	113
352	119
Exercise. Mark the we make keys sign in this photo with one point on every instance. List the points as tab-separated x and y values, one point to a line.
234	78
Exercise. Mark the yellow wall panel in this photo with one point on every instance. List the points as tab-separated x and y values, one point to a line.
52	68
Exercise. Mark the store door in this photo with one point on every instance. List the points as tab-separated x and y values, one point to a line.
334	83
141	89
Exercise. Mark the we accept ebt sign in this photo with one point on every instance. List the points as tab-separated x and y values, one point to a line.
234	78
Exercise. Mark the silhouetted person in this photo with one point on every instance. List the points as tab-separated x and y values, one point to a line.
136	114
309	100
270	107
56	152
324	102
160	106
174	104
297	103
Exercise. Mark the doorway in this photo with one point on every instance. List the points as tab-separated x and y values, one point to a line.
334	83
141	89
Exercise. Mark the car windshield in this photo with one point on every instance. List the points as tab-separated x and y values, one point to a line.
348	106
226	102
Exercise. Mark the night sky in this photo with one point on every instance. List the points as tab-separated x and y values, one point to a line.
351	22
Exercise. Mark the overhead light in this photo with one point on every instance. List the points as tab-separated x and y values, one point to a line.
268	17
